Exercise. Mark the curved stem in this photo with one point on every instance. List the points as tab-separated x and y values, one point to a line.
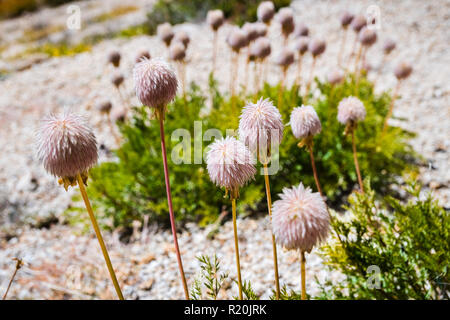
169	201
303	273
99	236
18	266
236	247
313	164
355	158
274	245
113	131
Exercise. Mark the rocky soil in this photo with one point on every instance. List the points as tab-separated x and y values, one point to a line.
62	262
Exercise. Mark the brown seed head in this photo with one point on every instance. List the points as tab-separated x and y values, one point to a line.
346	19
301	45
215	19
177	51
403	70
367	36
317	47
265	11
285	58
165	33
301	30
114	58
358	23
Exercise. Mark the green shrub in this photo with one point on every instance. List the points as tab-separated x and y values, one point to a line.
12	8
179	11
132	185
407	245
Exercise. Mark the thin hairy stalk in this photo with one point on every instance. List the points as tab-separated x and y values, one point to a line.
313	164
355	158
236	247
19	264
311	75
99	236
169	201
341	51
303	273
391	108
274	245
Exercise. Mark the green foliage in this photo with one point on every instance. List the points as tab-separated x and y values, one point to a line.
210	278
179	11
408	242
132	185
248	292
12	8
285	294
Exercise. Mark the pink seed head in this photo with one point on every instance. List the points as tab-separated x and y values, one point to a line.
301	45
403	70
261	48
285	58
165	33
301	30
335	76
305	122
346	19
215	19
286	18
66	145
317	47
351	109
300	219
265	11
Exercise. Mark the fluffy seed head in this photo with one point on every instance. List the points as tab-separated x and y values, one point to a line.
317	47
114	58
66	145
285	58
142	54
358	23
388	46
119	114
260	125
286	18
117	79
301	45
300	219
305	122
165	33
367	36
183	37
261	29
261	48
301	30
335	76
215	19
104	107
177	51
237	39
230	164
265	11
403	70
351	109
251	31
346	19
156	84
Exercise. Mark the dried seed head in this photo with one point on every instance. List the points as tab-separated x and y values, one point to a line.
300	218
230	164
335	76
286	18
261	29
119	114
346	19
388	46
265	11
285	58
403	70
305	122
142	54
156	84
117	80
358	23
165	33
215	19
301	30
104	107
260	48
251	31
237	39
260	125
367	36
66	145
183	37
317	47
177	51
114	58
351	109
301	45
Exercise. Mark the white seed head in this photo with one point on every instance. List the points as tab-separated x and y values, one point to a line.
305	122
351	109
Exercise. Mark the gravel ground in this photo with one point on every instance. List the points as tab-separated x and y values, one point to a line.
28	194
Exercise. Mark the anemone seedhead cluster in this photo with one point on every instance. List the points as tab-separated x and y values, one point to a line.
260	125
317	47
403	70
286	19
261	48
155	82
300	219
367	36
177	51
230	164
301	30
114	58
165	33
285	58
388	46
351	109
182	37
251	30
265	11
358	23
346	19
305	122
301	45
66	145
237	39
215	19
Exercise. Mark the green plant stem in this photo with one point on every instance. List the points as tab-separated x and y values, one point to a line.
99	236
303	273
169	201
236	246
313	164
19	264
355	158
274	244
